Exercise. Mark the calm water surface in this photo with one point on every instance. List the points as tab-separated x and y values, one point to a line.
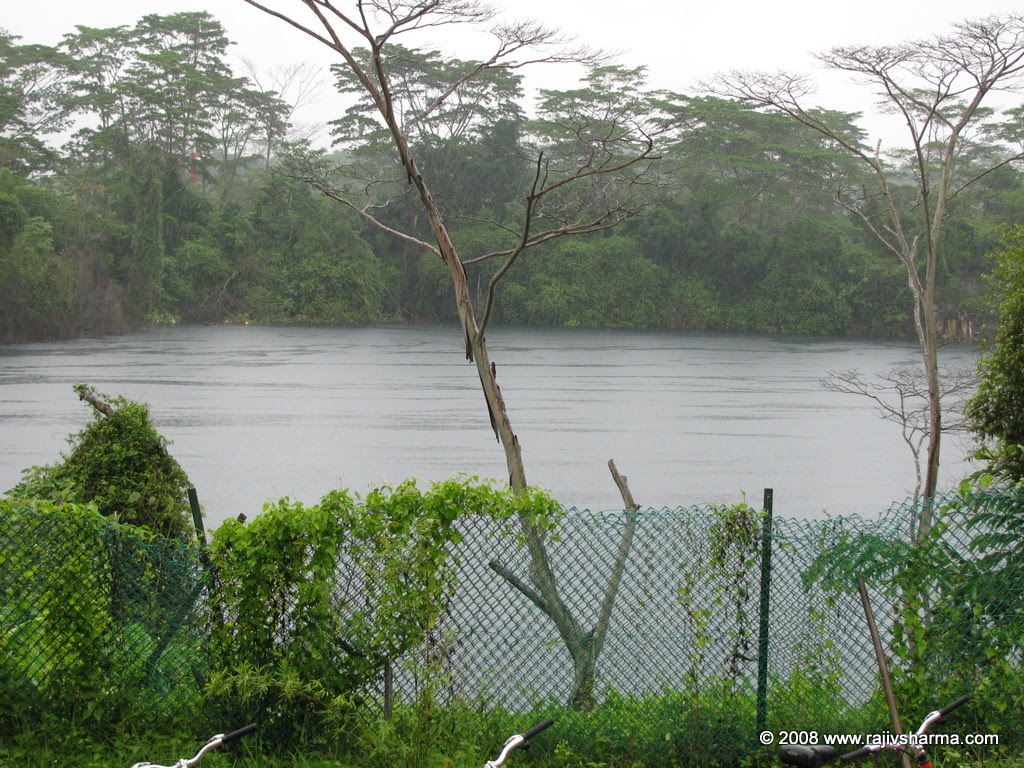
255	414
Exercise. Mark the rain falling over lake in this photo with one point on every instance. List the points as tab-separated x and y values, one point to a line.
255	414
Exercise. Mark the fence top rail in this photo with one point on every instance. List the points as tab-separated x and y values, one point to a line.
893	519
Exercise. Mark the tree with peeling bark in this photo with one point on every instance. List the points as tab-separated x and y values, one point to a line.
938	87
590	176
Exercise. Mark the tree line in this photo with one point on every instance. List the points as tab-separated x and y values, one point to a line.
181	192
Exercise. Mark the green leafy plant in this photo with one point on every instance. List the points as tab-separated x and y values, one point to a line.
314	603
120	463
723	621
995	412
91	619
955	599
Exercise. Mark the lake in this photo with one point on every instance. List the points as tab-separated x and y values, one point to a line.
255	414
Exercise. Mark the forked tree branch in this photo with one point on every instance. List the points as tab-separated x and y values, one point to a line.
332	192
585	648
492	284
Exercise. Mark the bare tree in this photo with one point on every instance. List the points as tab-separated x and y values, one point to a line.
937	87
295	85
590	182
901	397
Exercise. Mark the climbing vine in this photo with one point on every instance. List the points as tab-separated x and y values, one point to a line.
314	602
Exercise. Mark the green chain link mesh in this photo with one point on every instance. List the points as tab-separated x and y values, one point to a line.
92	613
96	618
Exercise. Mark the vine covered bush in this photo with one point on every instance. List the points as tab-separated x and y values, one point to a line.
93	620
314	602
120	463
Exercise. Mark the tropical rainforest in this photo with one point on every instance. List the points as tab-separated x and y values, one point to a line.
143	179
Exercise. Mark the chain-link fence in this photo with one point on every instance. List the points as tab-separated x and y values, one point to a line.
97	620
724	621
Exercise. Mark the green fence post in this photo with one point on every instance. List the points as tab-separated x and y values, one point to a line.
762	632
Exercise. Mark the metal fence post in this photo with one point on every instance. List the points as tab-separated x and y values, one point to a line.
197	516
762	632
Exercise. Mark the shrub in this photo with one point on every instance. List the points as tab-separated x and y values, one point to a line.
120	463
93	621
315	601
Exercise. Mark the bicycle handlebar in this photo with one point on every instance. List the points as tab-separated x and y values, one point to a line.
931	719
857	754
950	707
517	741
814	756
541	726
214	742
243	731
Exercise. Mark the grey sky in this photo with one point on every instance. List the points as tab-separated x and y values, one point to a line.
679	42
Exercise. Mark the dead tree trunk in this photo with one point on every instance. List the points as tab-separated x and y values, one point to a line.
584	646
618	150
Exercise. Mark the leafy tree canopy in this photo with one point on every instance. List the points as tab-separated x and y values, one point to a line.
997	410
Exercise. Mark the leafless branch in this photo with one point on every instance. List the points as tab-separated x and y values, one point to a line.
901	396
523	241
318	175
580	216
986	172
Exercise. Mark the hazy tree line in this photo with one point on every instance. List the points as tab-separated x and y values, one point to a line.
176	195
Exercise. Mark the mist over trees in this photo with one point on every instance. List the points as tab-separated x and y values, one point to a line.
142	178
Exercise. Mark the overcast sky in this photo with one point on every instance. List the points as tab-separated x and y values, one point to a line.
679	42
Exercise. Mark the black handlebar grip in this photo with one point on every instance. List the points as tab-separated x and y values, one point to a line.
857	754
543	725
950	707
243	731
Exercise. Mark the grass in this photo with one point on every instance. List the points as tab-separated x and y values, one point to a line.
125	751
676	729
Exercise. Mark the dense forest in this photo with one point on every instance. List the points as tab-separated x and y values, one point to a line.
142	179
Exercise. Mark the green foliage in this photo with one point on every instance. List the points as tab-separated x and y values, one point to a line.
90	620
693	306
12	220
120	463
34	103
596	282
876	292
145	262
725	622
36	279
799	304
996	412
758	167
996	594
315	601
36	283
79	593
61	607
312	264
957	600
801	292
196	279
166	204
